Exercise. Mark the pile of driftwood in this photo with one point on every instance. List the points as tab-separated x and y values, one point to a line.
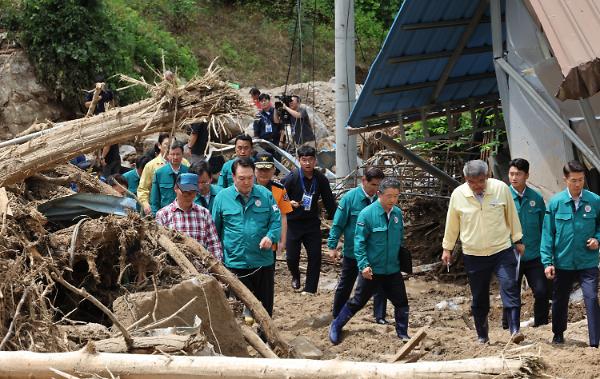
60	281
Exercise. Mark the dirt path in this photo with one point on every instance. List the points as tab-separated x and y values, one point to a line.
449	334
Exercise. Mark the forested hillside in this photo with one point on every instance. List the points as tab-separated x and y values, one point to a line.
264	43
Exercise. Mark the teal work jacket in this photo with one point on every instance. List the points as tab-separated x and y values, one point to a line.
200	200
531	209
163	186
567	230
344	221
377	241
241	226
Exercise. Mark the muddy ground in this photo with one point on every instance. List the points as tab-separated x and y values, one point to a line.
450	334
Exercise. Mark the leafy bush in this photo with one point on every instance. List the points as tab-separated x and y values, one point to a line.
70	42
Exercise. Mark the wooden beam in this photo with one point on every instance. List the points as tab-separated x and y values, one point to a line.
442	23
409	346
435	83
481	8
438	54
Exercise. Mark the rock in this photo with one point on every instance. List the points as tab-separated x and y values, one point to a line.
306	349
23	100
315	322
218	322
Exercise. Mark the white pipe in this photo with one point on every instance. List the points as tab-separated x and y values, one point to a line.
345	91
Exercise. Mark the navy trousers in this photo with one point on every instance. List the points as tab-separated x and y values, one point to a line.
261	282
563	284
309	235
533	270
391	285
479	272
344	290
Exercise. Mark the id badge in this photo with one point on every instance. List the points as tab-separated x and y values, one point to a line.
306	202
269	128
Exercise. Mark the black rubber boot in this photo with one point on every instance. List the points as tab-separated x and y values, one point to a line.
335	330
401	317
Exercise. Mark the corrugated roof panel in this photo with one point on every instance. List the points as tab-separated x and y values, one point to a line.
571	28
413	33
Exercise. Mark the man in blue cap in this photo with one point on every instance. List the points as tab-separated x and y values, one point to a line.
189	218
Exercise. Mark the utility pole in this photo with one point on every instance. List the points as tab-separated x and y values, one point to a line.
345	92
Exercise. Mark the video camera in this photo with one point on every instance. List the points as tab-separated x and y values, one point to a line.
283	114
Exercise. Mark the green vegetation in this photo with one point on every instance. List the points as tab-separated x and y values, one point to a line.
71	42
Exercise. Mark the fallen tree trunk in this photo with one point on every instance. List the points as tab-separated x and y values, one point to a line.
225	276
171	343
254	340
170	107
25	364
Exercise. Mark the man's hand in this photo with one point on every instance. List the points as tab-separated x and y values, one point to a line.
367	273
335	254
294	203
520	248
550	272
265	243
592	244
147	209
446	257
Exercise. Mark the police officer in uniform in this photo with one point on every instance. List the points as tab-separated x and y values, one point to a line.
569	250
379	235
344	222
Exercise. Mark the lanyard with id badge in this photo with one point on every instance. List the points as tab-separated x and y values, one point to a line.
268	124
307	196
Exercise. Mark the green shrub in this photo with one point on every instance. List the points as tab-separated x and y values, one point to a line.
70	42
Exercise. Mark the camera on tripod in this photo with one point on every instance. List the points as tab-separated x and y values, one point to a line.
283	114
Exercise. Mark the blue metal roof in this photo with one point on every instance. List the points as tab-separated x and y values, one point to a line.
414	55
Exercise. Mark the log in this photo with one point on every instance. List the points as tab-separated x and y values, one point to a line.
409	346
171	343
214	266
254	340
177	255
169	107
26	364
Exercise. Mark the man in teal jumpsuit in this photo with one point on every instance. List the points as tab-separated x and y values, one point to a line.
569	251
531	208
207	191
243	149
344	222
377	242
163	183
248	222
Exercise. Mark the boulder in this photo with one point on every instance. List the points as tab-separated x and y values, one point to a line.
218	321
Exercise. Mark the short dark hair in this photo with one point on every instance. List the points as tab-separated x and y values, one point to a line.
373	173
242	162
307	151
177	145
520	163
573	166
264	96
142	161
117	178
243	137
199	168
162	137
389	183
254	91
297	98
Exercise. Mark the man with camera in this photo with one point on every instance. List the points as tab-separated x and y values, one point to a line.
302	131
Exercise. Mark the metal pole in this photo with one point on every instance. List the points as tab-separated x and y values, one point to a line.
345	92
554	117
590	121
417	160
498	49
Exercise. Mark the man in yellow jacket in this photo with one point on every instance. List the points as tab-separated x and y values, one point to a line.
482	212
